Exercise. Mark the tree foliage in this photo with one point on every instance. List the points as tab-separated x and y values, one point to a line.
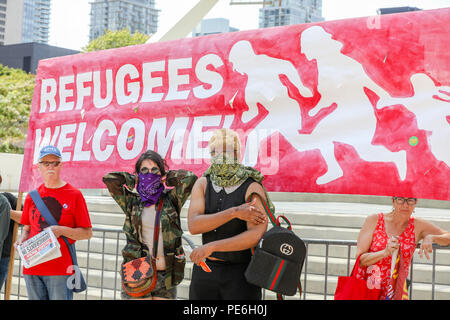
116	39
17	86
16	94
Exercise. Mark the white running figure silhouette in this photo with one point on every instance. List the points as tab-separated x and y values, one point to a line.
341	80
430	112
266	88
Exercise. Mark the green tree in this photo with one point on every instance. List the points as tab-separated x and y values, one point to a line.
16	94
116	39
17	86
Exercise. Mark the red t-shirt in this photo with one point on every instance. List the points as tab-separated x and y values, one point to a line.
68	207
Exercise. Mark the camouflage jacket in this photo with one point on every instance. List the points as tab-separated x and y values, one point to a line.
121	186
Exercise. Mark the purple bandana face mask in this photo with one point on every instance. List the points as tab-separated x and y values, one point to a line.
149	188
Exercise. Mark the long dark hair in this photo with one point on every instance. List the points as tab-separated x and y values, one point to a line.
155	157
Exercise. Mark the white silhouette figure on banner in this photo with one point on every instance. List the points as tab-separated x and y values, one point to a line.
430	112
266	88
342	80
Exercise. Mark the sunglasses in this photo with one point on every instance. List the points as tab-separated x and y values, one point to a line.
145	170
409	201
50	163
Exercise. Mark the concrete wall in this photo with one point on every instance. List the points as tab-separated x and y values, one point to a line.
14	19
10	168
13	55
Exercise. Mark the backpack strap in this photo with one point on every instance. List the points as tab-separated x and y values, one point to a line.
286	220
156	230
273	218
270	214
40	205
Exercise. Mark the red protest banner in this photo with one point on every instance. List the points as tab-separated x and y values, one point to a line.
357	106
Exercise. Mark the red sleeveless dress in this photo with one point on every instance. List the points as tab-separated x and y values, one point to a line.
379	275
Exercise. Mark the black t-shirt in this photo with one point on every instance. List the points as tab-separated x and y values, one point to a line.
8	241
215	202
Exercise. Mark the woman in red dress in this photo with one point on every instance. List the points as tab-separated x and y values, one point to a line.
387	242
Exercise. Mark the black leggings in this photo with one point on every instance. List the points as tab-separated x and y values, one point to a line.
225	282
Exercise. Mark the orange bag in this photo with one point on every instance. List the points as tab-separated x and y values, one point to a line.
139	275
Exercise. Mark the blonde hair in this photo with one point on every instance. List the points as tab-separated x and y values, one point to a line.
224	140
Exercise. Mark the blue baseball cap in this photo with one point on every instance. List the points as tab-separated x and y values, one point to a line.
49	150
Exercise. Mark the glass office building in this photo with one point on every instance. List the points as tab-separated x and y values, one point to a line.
213	26
23	21
287	12
2	21
36	21
136	15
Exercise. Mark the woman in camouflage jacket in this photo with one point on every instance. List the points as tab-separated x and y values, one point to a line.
123	188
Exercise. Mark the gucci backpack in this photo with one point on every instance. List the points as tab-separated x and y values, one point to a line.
277	260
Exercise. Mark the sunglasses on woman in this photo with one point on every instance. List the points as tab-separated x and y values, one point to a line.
145	170
409	201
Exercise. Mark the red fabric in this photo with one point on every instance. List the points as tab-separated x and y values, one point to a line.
103	109
379	274
69	208
352	288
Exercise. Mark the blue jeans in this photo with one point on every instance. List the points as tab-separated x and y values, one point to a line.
48	287
4	265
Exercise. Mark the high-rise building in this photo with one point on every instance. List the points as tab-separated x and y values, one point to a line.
213	26
2	21
23	21
287	12
396	10
136	15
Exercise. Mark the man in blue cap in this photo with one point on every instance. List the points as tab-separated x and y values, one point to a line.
48	280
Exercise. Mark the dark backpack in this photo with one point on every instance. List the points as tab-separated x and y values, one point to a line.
278	258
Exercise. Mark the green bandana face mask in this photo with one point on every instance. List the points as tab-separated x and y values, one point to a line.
225	171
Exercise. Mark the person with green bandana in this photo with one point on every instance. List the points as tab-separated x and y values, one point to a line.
230	226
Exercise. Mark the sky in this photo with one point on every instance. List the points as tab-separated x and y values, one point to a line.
69	22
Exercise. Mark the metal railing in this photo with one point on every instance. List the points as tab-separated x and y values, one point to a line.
100	262
352	243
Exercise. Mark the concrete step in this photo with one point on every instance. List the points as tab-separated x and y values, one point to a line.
91	293
421	291
313	197
422	273
107	218
102	204
107	231
107	262
345	215
105	250
97	261
292	204
94	277
103	287
312	217
313	232
341	251
315	265
101	245
315	288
